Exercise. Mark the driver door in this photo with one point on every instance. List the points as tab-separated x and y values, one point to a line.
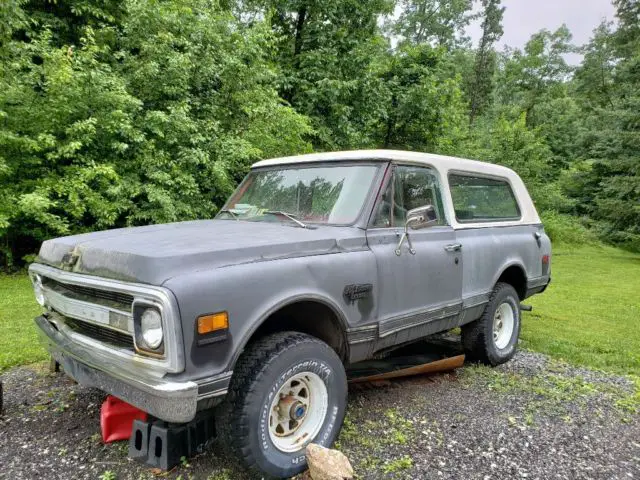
418	293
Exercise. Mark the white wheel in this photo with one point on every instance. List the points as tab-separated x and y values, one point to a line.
288	389
298	411
503	324
493	338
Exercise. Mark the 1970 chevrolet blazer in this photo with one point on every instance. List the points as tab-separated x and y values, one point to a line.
316	261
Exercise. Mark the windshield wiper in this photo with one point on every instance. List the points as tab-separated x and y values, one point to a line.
290	216
226	210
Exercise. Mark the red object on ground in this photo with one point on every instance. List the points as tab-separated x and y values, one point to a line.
116	419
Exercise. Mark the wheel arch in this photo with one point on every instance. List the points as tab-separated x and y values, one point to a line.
515	275
312	314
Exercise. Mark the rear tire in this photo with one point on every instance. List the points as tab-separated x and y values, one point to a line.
288	389
493	338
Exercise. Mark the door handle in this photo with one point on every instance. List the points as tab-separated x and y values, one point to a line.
454	247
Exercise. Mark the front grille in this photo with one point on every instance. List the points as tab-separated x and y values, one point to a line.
121	301
103	334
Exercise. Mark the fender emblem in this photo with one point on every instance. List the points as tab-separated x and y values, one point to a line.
70	259
357	291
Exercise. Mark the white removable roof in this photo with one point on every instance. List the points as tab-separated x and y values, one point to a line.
443	164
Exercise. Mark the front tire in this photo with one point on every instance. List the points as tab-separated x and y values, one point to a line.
288	390
493	338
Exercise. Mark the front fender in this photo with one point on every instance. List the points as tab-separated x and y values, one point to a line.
288	299
251	292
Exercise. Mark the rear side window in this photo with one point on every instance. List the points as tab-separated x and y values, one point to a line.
482	199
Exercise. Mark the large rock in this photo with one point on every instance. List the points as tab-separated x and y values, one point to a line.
327	464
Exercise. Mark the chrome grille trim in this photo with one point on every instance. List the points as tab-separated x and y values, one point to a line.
88	312
107	298
102	334
162	298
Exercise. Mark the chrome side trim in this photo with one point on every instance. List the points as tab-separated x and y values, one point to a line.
475	300
367	333
537	282
415	319
173	361
215	379
363	340
215	393
215	386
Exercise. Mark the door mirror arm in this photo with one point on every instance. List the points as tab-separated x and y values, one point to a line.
405	236
421	217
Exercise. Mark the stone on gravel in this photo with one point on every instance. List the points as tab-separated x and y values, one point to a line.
327	464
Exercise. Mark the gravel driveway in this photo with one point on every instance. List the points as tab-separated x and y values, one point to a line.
531	418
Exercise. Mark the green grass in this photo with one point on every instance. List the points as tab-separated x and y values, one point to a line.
18	339
590	313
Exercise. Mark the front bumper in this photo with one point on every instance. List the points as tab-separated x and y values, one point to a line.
167	400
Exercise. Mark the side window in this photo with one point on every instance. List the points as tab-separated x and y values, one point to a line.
480	199
409	188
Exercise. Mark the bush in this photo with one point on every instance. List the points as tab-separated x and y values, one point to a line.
565	229
620	238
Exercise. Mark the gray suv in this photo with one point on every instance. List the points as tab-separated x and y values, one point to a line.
315	262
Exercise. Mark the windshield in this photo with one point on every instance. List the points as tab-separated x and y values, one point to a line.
326	194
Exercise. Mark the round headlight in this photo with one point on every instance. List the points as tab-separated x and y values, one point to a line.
37	289
151	328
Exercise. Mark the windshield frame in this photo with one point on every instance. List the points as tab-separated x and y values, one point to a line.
369	199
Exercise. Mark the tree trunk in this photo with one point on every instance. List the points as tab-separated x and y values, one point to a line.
302	16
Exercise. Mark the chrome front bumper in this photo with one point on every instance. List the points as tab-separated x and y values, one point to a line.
170	401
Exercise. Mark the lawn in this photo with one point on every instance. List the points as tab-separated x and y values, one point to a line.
588	316
590	313
18	307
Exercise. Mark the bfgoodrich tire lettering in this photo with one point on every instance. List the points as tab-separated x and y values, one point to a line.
478	336
261	372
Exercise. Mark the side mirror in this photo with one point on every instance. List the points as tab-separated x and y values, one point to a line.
422	217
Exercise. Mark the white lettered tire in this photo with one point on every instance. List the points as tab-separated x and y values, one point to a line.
493	338
288	390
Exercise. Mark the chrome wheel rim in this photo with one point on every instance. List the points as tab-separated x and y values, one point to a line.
298	411
503	324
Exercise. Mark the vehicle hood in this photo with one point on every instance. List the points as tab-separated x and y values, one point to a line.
155	253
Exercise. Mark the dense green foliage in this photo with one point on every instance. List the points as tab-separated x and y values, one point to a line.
151	116
116	113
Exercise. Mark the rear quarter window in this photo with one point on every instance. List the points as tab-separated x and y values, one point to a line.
482	199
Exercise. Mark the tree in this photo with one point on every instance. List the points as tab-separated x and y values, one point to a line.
627	36
329	53
154	120
514	145
538	72
617	145
607	182
437	22
485	62
424	108
593	80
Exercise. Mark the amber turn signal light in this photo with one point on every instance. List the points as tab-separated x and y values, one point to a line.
213	322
